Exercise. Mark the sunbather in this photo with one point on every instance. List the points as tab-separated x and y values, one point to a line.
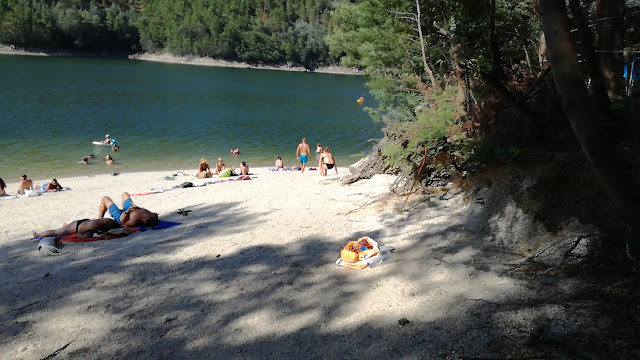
25	184
204	171
219	166
2	186
130	215
53	186
83	228
244	168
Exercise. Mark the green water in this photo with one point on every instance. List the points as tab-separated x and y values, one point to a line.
166	116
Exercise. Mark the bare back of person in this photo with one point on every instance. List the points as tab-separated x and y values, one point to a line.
137	216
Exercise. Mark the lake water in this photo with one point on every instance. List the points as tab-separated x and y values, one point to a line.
167	116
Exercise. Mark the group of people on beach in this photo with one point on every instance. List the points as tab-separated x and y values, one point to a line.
26	186
325	159
130	215
204	171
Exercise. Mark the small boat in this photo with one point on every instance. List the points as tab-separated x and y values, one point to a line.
360	100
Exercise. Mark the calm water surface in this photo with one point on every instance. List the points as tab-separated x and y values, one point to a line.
166	117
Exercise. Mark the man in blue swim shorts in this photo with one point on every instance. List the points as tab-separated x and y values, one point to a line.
130	215
302	152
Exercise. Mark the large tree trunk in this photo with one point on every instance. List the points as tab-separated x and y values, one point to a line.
580	111
494	48
610	43
598	88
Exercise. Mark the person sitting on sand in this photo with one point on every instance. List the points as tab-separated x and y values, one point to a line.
219	166
279	164
83	228
109	160
130	215
244	169
327	162
236	151
53	186
2	187
204	171
25	184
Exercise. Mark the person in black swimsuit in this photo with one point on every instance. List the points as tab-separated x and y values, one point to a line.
83	228
327	162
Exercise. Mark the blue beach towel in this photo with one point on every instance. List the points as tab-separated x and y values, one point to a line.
161	225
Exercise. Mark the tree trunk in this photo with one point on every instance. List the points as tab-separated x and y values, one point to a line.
598	88
494	48
610	43
580	112
427	68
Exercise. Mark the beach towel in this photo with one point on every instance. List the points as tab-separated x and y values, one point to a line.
283	169
106	236
161	225
42	190
117	232
180	176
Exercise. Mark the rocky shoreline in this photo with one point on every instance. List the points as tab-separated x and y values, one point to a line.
185	60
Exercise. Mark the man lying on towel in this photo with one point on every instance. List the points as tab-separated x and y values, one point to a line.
130	215
82	228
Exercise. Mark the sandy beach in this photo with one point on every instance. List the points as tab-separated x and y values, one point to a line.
249	273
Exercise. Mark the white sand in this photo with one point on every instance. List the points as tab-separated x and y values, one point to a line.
250	273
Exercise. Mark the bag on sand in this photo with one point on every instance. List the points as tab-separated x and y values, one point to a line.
359	254
227	173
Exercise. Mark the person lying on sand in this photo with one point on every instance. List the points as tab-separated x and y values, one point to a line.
83	228
130	215
53	186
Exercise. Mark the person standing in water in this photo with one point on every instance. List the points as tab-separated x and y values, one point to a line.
302	152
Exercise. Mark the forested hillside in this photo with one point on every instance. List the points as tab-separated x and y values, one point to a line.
264	32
